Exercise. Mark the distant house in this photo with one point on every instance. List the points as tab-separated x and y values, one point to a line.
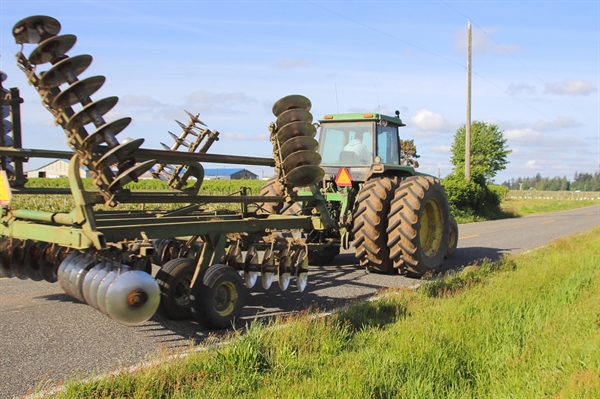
229	174
58	168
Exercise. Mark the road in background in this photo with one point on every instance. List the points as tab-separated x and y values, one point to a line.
47	335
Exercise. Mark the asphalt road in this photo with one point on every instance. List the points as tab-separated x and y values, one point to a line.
46	335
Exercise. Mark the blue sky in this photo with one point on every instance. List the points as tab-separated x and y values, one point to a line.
535	70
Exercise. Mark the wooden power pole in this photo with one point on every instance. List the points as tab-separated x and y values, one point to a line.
468	123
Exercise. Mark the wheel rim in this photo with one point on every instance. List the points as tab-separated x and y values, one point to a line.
225	298
452	238
431	228
181	294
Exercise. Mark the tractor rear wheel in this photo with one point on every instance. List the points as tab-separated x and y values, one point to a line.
218	297
370	222
272	188
419	225
174	279
452	239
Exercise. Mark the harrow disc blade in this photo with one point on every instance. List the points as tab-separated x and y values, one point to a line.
87	283
103	288
77	284
267	279
301	158
291	102
131	174
301	281
295	129
5	269
98	137
132	298
122	151
26	30
68	97
250	279
66	263
304	176
95	284
70	273
33	260
43	53
294	115
85	115
284	280
54	76
298	144
17	259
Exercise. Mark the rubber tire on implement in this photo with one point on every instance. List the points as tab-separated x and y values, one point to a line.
452	239
370	221
174	279
419	225
272	188
218	297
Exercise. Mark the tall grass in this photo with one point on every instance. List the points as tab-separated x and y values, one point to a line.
525	327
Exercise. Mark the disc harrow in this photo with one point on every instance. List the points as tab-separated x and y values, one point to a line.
63	73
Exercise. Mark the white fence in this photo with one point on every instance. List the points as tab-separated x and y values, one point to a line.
555	195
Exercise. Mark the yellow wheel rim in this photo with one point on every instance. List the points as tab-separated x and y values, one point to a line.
431	229
452	238
225	298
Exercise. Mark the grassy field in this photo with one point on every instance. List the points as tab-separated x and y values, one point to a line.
524	207
525	327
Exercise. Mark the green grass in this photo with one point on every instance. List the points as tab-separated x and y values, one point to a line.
524	207
524	327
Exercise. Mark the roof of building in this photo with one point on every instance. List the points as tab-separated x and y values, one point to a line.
224	171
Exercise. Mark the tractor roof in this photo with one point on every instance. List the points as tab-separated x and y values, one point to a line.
369	116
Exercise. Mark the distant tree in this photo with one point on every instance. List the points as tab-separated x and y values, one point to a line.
488	150
408	153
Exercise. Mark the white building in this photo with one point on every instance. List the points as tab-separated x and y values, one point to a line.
58	168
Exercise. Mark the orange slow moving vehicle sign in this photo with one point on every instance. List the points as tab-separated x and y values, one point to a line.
343	178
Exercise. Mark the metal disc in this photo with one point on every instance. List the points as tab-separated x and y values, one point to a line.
301	281
294	115
129	174
122	151
54	77
3	76
304	176
298	144
291	102
5	270
17	259
61	269
267	279
85	115
70	271
93	292
33	260
51	47
295	129
284	281
301	158
77	277
132	298
87	282
103	287
25	30
97	138
250	279
68	97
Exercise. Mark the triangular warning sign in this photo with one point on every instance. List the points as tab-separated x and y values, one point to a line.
343	178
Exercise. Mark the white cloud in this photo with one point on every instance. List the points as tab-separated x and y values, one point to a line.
431	121
130	100
288	63
481	42
209	102
561	122
234	136
520	88
570	87
530	164
522	136
440	149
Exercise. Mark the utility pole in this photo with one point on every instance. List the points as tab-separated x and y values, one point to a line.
468	123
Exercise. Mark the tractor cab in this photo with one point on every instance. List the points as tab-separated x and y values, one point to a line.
357	141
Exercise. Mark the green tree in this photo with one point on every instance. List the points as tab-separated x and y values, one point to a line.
488	151
408	153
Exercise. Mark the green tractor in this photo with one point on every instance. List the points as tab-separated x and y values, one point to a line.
397	219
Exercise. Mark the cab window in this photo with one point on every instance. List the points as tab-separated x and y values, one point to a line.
387	144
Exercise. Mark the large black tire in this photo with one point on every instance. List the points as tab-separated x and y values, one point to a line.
272	188
370	222
419	225
452	239
174	279
218	297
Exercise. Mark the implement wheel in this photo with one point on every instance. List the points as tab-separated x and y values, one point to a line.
175	279
370	222
218	297
452	239
419	225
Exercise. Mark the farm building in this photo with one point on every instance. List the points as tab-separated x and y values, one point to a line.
58	168
229	174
